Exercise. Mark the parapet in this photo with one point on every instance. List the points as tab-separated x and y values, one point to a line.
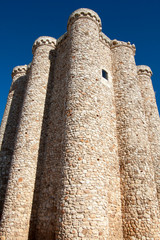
19	69
61	38
143	69
103	38
115	43
44	40
85	13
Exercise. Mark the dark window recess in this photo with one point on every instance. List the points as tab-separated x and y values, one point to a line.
104	74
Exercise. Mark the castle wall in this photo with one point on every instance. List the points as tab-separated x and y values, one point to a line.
139	196
152	119
114	213
19	195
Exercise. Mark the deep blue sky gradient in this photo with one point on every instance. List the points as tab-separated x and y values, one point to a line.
22	22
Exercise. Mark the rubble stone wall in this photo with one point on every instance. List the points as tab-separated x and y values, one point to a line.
152	119
19	194
139	196
80	141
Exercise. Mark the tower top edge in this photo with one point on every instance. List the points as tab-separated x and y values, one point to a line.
61	38
115	43
19	70
105	39
44	40
144	69
85	12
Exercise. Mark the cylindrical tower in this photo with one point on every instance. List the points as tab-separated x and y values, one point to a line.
18	201
82	210
81	156
80	188
14	103
152	119
9	126
139	195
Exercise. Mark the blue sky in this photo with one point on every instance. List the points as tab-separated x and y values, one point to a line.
22	22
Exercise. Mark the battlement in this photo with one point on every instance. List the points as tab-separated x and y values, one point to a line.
114	43
85	13
19	70
49	41
143	69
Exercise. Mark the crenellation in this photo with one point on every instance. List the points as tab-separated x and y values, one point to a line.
104	39
85	13
47	41
115	43
80	141
19	70
142	69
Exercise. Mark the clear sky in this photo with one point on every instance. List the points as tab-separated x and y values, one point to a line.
22	22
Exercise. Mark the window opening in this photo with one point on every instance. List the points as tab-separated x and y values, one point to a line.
104	74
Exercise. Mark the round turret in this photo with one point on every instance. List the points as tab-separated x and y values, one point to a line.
85	13
134	147
143	69
115	43
19	70
44	40
25	155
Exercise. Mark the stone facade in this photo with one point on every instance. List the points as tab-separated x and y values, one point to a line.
80	141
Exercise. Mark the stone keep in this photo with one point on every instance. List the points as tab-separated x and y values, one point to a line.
80	141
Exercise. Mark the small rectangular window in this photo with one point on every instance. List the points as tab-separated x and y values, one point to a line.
104	74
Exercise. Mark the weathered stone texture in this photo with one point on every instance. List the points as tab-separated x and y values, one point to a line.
9	126
139	195
19	195
85	149
51	179
13	108
152	119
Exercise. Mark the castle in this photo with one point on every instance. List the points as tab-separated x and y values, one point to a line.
80	141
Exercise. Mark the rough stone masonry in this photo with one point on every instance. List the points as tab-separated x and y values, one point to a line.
80	141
